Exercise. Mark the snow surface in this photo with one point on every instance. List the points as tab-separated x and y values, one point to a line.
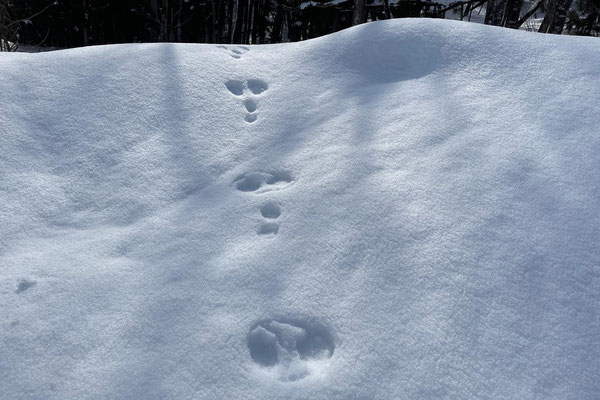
405	209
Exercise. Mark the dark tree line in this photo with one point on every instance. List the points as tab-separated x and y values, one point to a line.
585	19
72	23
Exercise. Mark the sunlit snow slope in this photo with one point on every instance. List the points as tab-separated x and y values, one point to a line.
406	209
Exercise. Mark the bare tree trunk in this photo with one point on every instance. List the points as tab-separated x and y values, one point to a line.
293	31
528	14
160	13
261	18
549	17
154	9
86	32
239	21
512	13
495	12
179	22
214	17
359	12
252	23
556	13
220	21
163	36
247	26
489	11
386	9
277	25
233	21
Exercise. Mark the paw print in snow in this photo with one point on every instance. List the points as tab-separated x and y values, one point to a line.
249	90
234	51
290	349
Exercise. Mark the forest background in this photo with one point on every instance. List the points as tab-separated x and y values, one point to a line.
75	23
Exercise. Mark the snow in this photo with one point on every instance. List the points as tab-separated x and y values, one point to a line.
404	209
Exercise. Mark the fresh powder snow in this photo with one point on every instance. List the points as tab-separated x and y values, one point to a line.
407	209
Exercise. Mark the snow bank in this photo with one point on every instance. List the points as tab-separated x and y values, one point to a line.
405	209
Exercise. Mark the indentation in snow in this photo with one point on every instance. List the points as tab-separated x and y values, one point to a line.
257	86
24	284
270	210
250	105
235	87
290	349
235	52
254	87
261	182
270	228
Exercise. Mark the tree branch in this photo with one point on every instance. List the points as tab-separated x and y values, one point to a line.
31	17
529	13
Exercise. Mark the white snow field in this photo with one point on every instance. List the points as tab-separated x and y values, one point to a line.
407	209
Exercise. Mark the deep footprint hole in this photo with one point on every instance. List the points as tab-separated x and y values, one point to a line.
250	105
270	210
257	86
250	182
275	342
263	347
279	177
235	87
270	228
24	284
263	181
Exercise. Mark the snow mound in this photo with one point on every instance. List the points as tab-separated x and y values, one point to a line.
405	209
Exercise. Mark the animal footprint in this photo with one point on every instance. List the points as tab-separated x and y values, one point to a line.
262	182
290	349
235	87
269	228
250	105
24	284
234	51
270	211
255	87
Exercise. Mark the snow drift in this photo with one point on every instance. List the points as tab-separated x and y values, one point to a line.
405	209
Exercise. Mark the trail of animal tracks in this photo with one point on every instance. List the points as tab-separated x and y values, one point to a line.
406	209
